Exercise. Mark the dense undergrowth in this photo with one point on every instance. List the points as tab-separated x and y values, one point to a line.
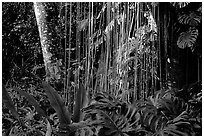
129	57
43	112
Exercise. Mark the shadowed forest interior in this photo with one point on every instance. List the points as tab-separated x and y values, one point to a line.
102	68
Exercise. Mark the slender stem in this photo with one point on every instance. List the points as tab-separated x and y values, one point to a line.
159	47
88	48
165	45
65	52
92	52
108	46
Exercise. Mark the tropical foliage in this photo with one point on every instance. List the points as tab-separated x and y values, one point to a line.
187	39
162	114
114	69
193	20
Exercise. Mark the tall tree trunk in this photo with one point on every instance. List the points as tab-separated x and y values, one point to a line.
46	39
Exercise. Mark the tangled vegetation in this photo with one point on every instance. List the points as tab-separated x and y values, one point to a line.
102	69
162	114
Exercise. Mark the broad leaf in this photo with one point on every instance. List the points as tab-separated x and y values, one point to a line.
191	19
58	104
81	100
179	4
117	117
187	39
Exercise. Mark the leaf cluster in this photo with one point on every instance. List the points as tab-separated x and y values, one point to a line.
163	114
191	21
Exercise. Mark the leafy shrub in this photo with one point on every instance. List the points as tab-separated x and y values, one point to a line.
162	114
116	117
33	126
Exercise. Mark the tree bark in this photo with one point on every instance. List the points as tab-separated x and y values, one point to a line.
46	39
